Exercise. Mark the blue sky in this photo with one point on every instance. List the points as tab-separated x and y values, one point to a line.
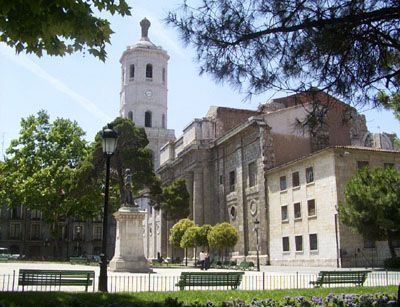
84	89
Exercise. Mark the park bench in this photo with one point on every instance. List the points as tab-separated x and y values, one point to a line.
340	277
246	265
58	278
211	279
78	260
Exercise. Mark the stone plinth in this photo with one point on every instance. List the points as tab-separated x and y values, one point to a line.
129	253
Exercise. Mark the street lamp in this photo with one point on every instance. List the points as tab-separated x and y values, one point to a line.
109	144
256	227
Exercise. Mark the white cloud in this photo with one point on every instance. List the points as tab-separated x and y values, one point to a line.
34	68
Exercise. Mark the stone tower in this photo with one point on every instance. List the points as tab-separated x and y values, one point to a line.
144	88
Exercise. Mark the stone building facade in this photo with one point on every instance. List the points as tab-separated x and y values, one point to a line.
228	157
24	232
303	197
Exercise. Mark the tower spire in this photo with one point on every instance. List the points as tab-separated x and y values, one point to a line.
145	25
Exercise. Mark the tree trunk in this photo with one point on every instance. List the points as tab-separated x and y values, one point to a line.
392	249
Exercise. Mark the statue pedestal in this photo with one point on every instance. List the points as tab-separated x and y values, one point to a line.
129	252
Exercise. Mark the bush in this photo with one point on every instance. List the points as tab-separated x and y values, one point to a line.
392	263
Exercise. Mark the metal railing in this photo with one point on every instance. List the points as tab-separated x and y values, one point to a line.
162	283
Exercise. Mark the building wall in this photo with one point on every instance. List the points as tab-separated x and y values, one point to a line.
323	190
38	244
353	247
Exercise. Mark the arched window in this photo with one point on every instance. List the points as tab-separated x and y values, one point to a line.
163	121
163	75
147	119
149	71
131	71
130	115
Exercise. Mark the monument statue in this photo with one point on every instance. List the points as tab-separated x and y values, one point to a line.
129	251
128	200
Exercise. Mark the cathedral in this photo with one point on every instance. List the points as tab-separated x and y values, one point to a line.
261	169
271	172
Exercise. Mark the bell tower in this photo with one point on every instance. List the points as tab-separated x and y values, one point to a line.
144	82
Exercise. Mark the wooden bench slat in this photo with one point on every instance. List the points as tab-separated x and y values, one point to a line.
32	277
232	279
341	277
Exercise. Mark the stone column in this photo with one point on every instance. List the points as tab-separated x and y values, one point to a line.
129	252
198	206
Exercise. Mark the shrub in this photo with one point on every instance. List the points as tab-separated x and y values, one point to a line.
392	263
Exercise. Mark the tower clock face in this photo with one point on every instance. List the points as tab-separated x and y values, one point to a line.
148	93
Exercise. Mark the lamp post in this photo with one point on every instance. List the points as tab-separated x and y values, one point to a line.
109	145
256	227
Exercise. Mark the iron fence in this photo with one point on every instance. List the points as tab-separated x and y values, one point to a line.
164	283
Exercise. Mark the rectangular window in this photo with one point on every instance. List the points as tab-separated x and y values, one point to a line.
309	174
369	243
388	165
282	182
97	232
78	232
36	214
297	210
35	231
396	240
232	181
252	174
362	164
15	213
299	243
313	242
98	218
15	230
284	213
311	207
221	179
295	179
285	244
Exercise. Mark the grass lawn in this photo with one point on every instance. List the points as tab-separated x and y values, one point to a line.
145	298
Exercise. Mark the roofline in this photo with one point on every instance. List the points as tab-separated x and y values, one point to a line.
326	150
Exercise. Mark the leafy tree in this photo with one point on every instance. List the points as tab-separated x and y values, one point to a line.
222	236
43	170
58	27
348	47
190	239
175	200
373	204
178	230
203	231
131	152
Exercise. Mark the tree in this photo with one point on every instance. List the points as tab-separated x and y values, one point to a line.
175	200
131	152
190	239
58	27
372	204
350	48
43	170
202	239
178	230
222	236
